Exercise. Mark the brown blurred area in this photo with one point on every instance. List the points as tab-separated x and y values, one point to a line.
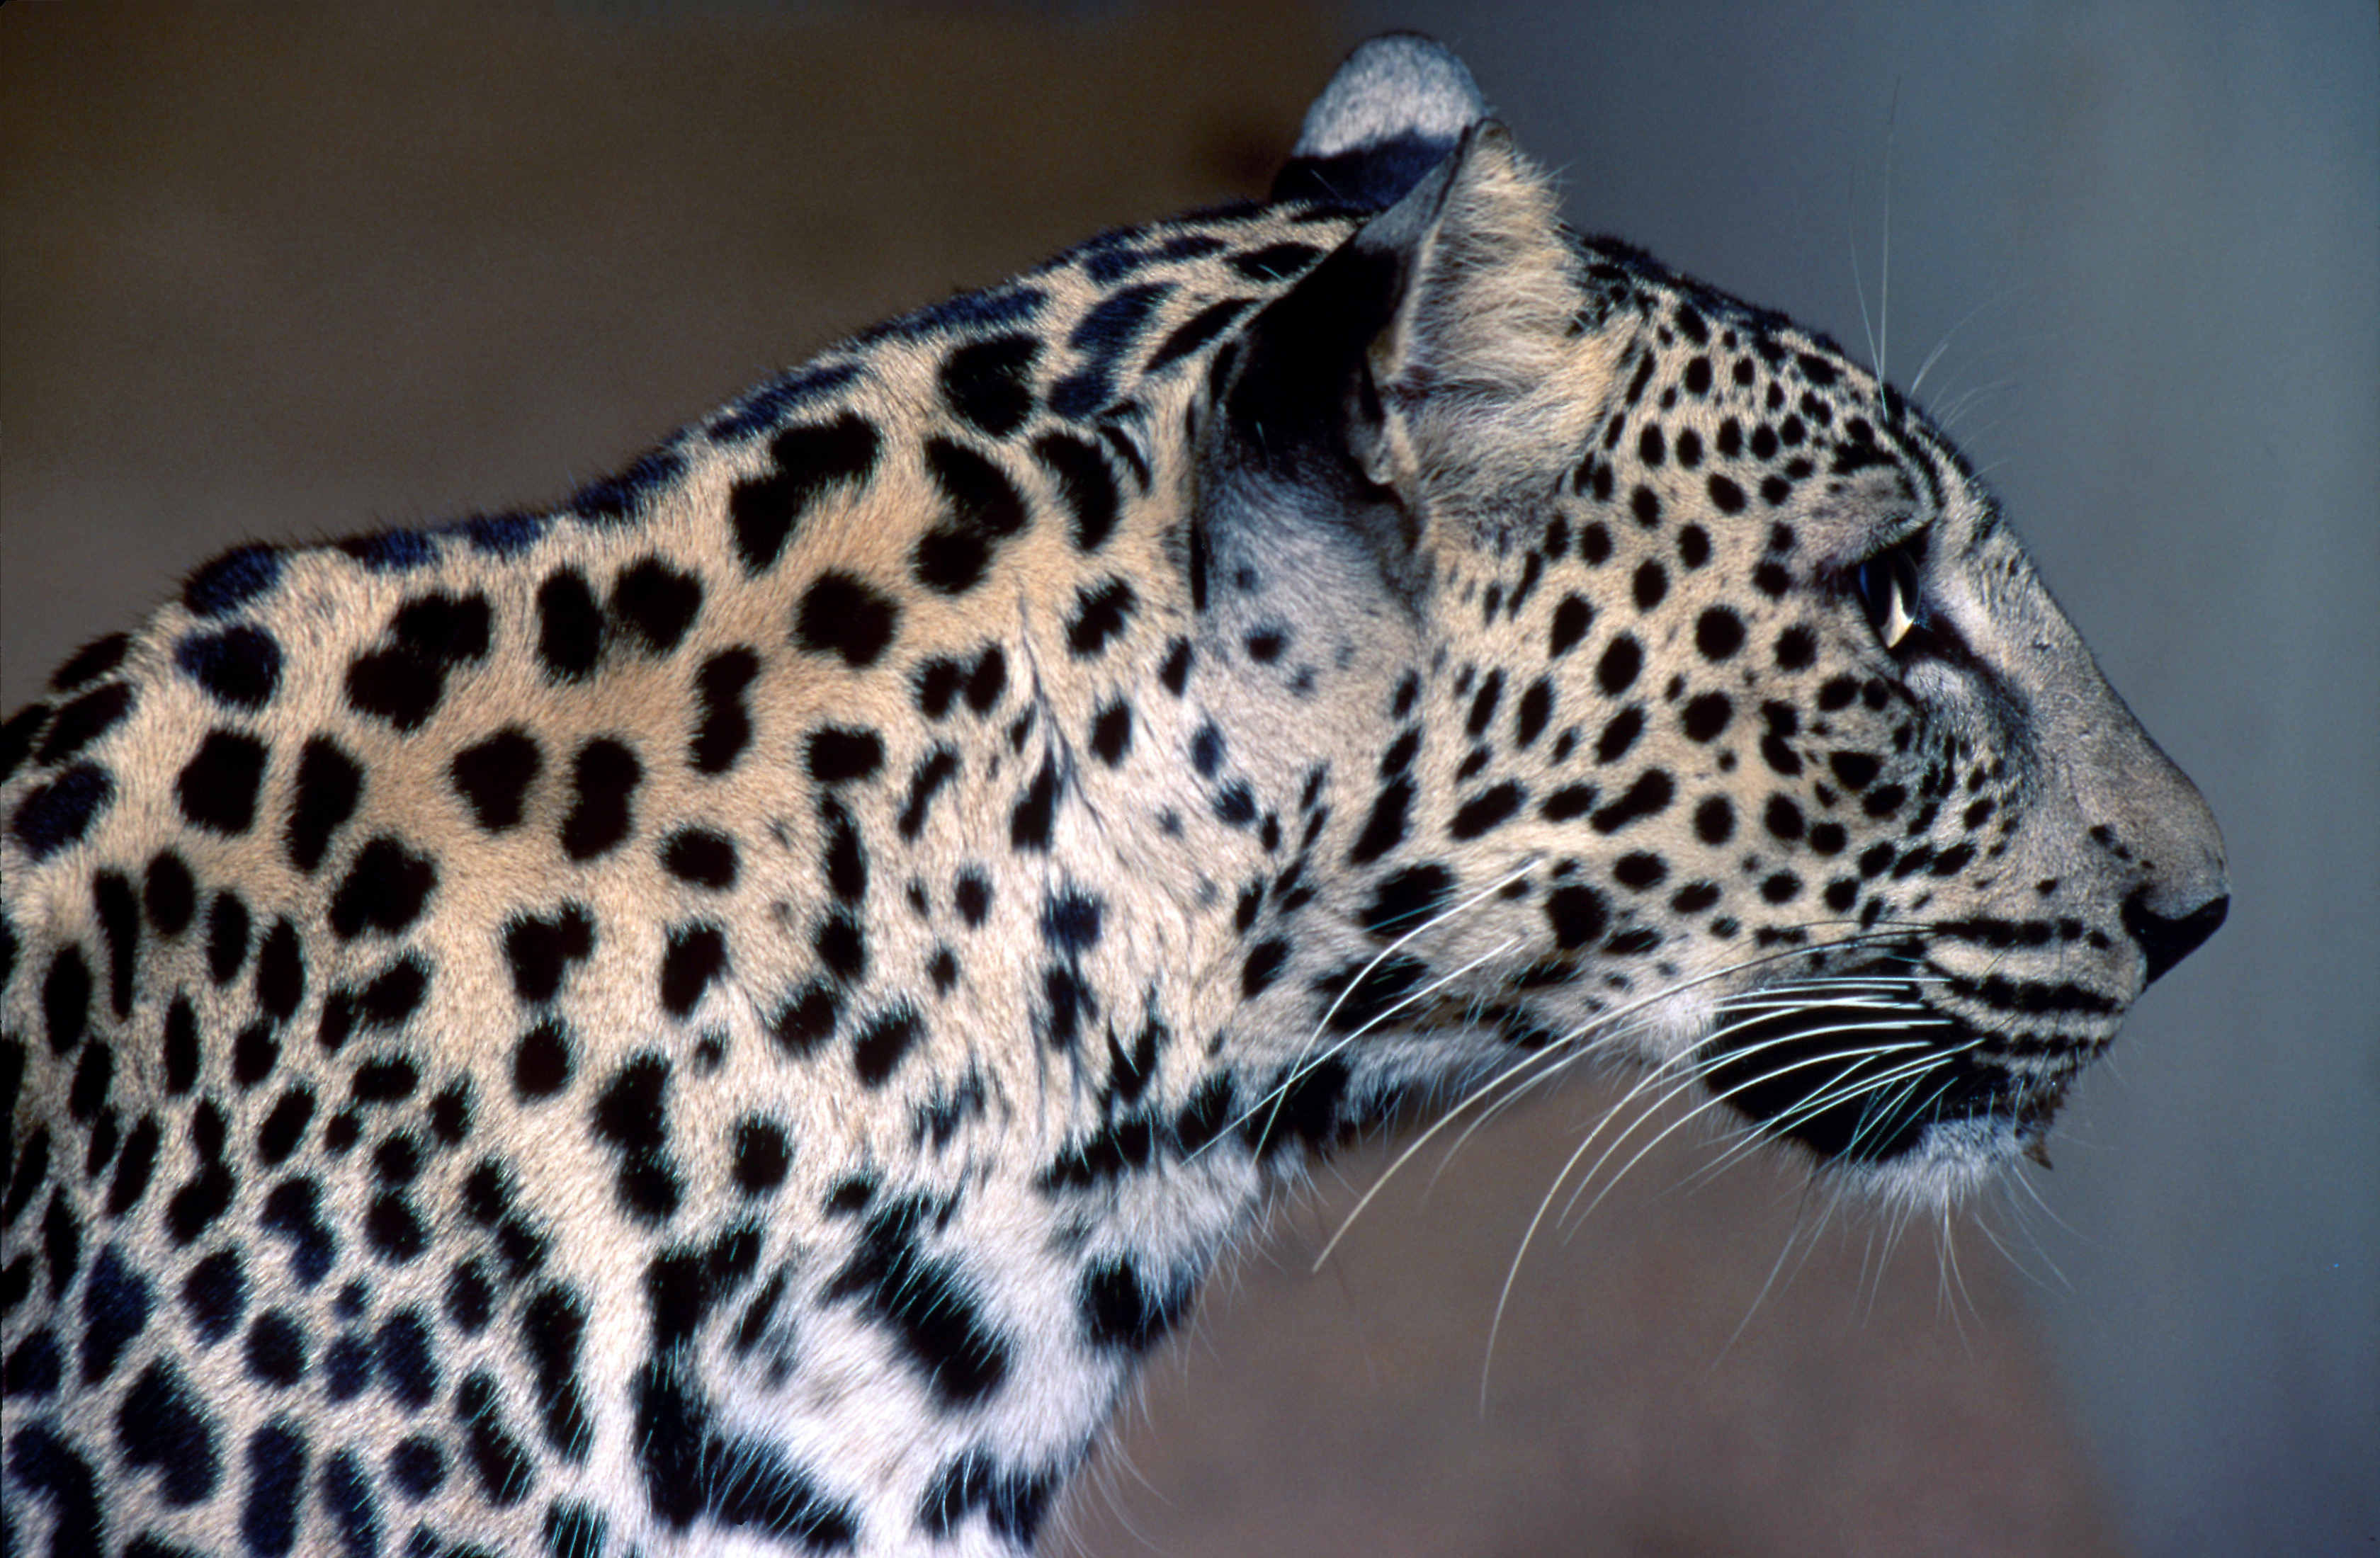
289	273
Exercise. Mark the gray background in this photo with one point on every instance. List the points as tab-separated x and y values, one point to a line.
282	275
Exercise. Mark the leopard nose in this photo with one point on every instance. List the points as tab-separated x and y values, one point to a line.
2166	941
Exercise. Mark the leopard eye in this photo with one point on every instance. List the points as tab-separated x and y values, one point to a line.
1887	586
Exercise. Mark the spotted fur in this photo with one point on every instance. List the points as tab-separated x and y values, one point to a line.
732	1013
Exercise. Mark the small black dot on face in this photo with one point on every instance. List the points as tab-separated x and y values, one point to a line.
1719	632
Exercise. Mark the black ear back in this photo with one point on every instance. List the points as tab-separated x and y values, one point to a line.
1395	109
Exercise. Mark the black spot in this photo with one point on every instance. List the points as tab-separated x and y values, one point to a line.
1085	483
655	603
1099	615
1488	809
927	1303
834	755
1569	624
1719	632
1175	671
569	625
1648	796
385	890
239	666
1385	828
1853	770
83	721
807	1020
1123	1310
842	946
1196	332
1707	715
553	1327
217	787
1639	870
631	1115
168	894
603	780
231	580
1619	735
118	912
762	1156
328	784
984	510
276	1349
1715	820
402	682
811	459
1405	900
280	972
160	1423
697	955
1577	916
1029	823
57	814
1622	661
134	1166
116	1304
972	895
504	1469
842	614
1264	961
701	856
882	1044
988	679
91	662
1012	1500
989	384
540	950
542	1060
227	927
1483	705
493	777
1111	733
347	1495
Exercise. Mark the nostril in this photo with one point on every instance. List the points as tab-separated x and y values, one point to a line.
2168	941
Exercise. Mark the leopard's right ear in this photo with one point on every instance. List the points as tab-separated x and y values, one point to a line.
1396	109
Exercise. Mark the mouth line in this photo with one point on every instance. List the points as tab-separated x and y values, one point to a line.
1864	1080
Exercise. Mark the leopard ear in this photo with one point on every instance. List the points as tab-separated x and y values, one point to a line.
1435	357
1394	110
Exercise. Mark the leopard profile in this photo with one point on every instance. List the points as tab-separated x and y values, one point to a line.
732	1014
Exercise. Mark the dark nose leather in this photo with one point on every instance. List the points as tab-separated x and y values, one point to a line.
2166	942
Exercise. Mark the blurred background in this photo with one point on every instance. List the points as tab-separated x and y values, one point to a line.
289	273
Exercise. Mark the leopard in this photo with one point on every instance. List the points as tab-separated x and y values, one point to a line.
734	1013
